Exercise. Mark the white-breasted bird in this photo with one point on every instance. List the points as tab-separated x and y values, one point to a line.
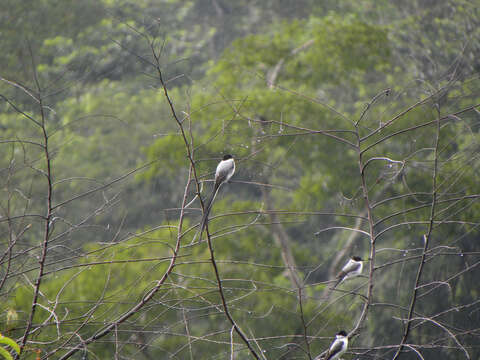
352	268
337	348
224	172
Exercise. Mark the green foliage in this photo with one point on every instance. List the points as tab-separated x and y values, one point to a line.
169	160
9	342
106	115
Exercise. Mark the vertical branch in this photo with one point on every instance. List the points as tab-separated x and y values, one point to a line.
187	331
368	209
222	297
426	238
176	118
371	232
304	324
47	218
193	168
231	344
371	224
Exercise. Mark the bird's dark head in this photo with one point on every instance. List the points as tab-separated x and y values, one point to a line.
228	156
357	258
342	333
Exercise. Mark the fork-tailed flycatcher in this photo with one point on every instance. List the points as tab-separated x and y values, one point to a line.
352	268
337	348
224	172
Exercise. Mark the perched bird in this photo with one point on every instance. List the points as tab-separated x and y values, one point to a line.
224	172
352	268
338	347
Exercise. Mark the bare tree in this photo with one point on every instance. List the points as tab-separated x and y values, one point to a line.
411	168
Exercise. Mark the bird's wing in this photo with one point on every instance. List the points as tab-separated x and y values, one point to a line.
351	266
334	349
224	170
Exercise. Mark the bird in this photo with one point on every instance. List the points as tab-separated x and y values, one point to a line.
338	346
352	268
224	172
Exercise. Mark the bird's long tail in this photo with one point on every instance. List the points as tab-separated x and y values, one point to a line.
207	208
340	278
